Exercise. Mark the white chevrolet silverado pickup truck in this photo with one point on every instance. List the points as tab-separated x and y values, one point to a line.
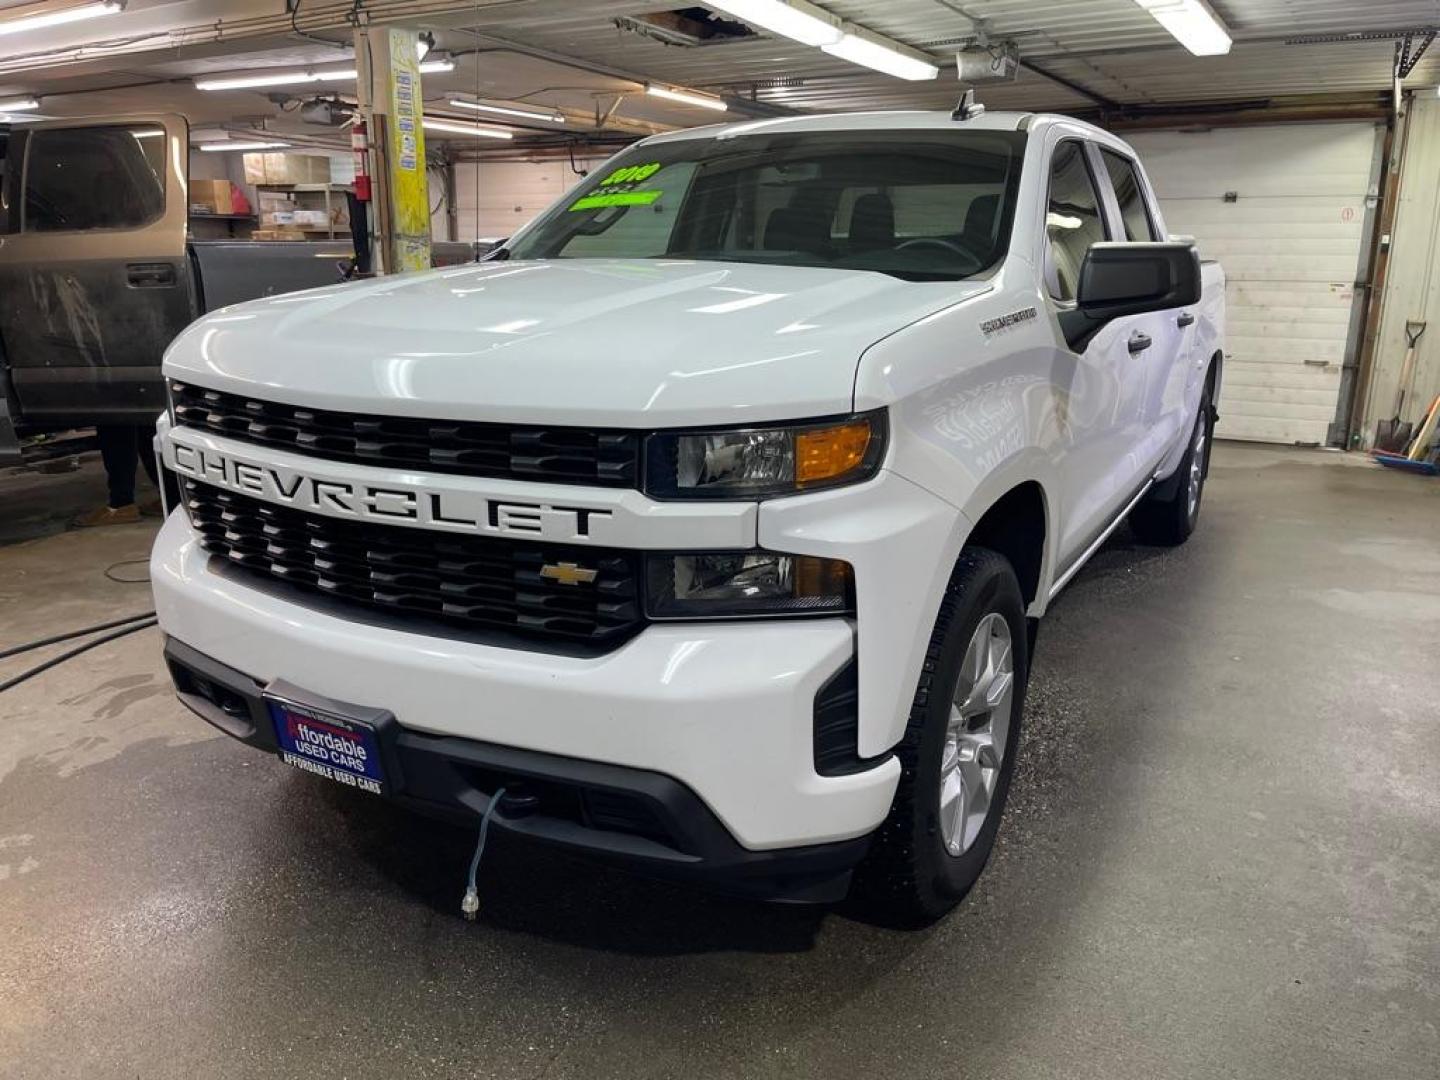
710	520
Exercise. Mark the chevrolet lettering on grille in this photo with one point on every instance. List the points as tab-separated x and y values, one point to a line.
393	503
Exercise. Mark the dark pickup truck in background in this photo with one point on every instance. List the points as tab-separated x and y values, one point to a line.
98	273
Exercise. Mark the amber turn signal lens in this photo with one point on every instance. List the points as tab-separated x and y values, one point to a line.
826	453
821	577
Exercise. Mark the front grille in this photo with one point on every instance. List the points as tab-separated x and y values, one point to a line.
560	455
470	581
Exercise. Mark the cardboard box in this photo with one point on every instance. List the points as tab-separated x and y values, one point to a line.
296	169
277	234
211	197
254	168
275	171
280	168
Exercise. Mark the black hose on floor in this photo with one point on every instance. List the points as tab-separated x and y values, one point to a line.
54	660
113	576
16	650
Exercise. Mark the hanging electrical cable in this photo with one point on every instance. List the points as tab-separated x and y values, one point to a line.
470	904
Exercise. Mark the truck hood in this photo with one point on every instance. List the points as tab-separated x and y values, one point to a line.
624	343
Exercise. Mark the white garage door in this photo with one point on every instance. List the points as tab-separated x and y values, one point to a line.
1290	243
495	198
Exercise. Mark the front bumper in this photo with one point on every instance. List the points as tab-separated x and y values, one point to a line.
639	819
724	711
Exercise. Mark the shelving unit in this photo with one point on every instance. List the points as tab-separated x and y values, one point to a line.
328	192
219	226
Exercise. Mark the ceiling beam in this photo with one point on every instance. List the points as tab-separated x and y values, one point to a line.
1213	114
746	106
1069	84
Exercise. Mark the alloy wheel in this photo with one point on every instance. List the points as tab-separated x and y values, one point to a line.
977	733
1197	466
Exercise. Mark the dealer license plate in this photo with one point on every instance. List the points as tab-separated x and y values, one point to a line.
335	747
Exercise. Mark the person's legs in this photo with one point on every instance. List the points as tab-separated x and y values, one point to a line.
117	451
144	445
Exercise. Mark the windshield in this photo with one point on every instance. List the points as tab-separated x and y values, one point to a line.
919	206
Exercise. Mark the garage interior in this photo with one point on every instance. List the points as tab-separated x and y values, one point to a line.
1222	853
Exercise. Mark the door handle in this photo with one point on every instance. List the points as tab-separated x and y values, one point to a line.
1184	319
150	275
1139	342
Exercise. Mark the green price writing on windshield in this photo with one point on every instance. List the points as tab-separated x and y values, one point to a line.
615	198
631	174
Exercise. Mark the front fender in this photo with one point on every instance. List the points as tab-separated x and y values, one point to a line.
902	542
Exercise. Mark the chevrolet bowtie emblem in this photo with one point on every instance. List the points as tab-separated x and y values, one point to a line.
568	573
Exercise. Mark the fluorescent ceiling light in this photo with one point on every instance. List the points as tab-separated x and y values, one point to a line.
292	78
859	47
1192	23
457	128
687	97
802	21
279	78
505	110
19	104
794	19
41	19
236	144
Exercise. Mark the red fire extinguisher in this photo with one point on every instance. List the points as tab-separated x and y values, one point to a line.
360	144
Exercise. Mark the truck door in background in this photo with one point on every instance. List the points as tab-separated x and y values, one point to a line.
93	276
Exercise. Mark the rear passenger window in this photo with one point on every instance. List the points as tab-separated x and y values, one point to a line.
1128	193
1073	220
110	177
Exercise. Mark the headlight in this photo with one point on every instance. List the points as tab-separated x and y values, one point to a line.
750	463
736	584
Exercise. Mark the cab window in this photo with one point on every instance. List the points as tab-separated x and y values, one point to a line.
110	177
1139	225
1073	219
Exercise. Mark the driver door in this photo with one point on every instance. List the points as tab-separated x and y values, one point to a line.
1099	395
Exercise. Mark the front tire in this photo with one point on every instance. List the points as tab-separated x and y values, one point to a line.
1168	516
958	751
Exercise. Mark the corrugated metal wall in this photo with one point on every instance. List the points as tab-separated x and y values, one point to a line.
1412	283
1290	243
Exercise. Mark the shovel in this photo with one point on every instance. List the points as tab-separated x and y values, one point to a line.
1393	435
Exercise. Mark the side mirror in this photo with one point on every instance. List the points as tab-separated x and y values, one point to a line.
1131	279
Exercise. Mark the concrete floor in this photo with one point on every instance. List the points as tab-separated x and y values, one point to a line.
1222	856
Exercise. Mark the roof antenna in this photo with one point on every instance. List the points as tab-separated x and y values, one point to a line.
967	109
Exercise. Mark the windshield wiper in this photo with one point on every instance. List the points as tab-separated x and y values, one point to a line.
765	260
